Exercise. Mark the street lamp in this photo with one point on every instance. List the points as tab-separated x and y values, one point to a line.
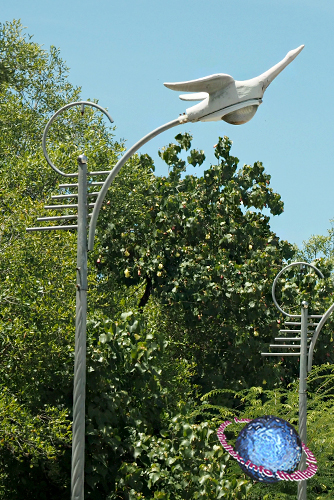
299	328
222	98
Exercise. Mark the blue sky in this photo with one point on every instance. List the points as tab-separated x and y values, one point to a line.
122	52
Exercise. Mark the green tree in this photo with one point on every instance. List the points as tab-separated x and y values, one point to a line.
318	246
137	448
203	247
37	271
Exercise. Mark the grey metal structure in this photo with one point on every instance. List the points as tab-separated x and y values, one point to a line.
82	105
302	324
82	206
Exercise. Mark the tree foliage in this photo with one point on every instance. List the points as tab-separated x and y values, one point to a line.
203	247
37	276
137	448
190	258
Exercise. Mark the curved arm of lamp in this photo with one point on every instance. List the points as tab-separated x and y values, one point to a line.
316	334
92	226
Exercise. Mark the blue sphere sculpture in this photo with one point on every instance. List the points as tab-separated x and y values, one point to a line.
271	442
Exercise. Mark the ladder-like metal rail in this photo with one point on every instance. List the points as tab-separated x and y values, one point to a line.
281	342
69	206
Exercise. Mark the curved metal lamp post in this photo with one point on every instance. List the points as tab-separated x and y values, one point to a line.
222	98
79	384
300	341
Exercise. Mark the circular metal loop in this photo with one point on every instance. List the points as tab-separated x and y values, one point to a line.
281	272
71	105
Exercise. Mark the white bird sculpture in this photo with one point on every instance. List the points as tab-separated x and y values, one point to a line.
223	98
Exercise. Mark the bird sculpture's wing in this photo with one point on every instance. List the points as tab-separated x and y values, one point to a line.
208	84
199	96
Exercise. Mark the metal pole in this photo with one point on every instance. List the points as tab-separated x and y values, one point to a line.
79	388
302	485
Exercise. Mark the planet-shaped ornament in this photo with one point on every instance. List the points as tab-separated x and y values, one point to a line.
268	449
271	442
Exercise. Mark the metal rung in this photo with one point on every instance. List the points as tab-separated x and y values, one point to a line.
295	331
58	207
309	316
283	354
59	217
51	228
290	338
63	196
90	173
292	346
297	324
61	186
105	172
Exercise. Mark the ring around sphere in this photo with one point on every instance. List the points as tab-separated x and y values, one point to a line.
71	105
281	272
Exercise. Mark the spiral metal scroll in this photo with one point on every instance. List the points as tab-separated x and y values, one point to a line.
48	125
280	273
